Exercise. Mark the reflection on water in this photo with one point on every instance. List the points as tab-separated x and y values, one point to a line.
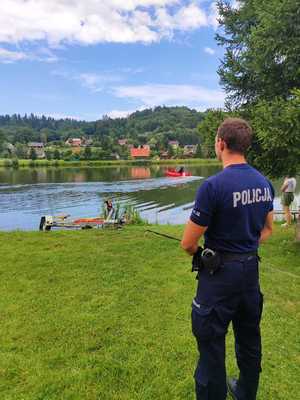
27	194
140	173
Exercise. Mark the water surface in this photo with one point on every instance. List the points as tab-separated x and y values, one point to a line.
27	194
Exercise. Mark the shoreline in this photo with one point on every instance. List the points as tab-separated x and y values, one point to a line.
11	164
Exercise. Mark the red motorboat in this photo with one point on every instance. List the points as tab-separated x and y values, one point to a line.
177	174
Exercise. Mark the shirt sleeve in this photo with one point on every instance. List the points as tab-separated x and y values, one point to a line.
271	207
205	205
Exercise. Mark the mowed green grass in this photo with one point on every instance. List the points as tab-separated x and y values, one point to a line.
106	315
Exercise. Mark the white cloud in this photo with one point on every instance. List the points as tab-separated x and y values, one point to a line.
44	54
209	51
156	94
40	54
95	82
185	19
97	21
124	113
190	17
213	16
119	113
236	4
8	56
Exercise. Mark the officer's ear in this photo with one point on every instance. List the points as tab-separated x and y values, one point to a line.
222	144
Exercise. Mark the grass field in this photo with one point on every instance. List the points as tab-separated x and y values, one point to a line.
106	315
7	163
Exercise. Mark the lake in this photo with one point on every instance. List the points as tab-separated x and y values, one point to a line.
27	194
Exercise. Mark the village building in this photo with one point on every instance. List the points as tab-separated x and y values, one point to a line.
87	142
190	150
115	156
141	152
74	142
38	148
10	148
164	155
122	142
174	144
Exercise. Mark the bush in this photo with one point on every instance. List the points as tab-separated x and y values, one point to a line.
7	163
15	163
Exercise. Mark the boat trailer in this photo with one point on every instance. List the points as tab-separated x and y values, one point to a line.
48	222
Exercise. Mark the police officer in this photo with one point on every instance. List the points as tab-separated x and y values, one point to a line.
234	212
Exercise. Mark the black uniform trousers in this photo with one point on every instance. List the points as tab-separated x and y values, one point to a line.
232	294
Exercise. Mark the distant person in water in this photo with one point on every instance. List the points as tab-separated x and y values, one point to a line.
181	170
288	189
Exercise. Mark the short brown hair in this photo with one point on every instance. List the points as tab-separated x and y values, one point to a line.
236	133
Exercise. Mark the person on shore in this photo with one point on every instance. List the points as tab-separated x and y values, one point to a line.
109	209
234	212
288	189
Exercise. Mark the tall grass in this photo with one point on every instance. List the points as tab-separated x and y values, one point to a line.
126	211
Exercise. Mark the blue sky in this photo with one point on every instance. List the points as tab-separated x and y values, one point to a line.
87	58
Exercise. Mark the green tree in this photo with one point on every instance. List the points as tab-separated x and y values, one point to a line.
262	55
87	154
99	154
199	153
171	151
276	148
32	154
44	134
67	155
48	154
26	135
2	139
208	130
21	151
56	154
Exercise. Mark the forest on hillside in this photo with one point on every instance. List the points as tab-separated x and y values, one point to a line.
155	127
160	124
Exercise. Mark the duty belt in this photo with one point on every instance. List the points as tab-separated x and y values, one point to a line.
227	257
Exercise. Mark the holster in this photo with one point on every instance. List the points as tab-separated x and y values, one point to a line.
206	258
211	260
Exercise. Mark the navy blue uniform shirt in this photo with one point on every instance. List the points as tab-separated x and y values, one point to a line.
234	205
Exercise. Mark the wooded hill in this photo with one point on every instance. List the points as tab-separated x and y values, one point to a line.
158	125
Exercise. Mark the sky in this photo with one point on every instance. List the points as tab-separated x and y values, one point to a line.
84	59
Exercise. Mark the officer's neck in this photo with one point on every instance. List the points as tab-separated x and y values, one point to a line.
232	158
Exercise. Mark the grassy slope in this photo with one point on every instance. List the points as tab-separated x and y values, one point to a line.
105	315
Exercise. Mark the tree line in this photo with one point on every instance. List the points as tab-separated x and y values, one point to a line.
260	72
155	126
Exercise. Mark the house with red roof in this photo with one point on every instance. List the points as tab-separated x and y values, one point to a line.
140	152
74	142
